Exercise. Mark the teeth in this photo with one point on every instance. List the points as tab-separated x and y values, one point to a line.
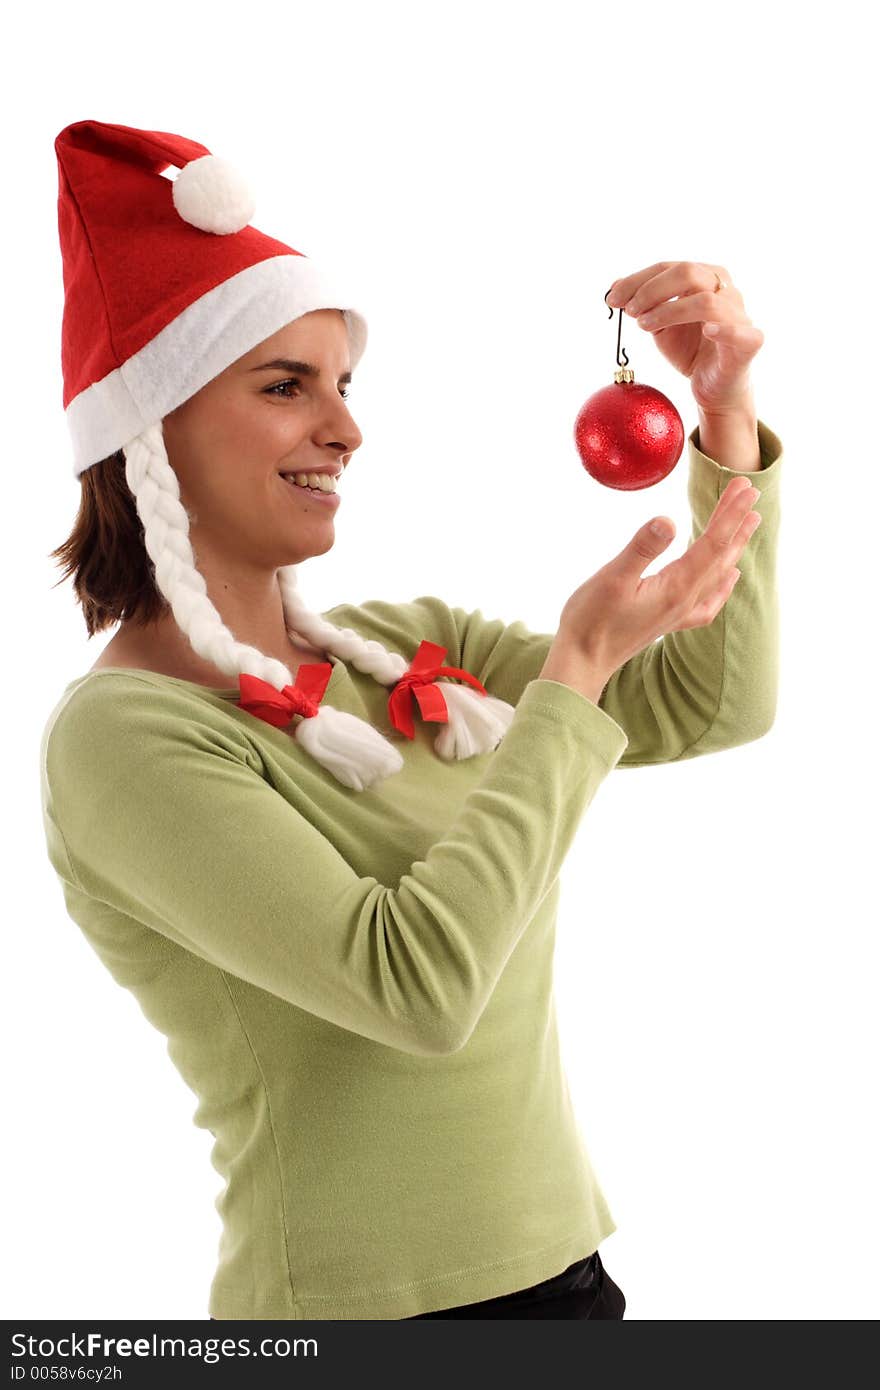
323	481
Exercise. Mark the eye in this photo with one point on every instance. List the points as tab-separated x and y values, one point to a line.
294	381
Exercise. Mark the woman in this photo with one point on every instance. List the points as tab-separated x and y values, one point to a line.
325	862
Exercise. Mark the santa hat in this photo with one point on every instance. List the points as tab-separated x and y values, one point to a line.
167	284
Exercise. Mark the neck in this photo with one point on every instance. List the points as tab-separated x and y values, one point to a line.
164	647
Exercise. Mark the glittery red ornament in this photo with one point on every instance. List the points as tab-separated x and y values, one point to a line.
629	436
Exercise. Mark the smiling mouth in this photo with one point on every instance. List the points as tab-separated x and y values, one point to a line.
324	482
328	495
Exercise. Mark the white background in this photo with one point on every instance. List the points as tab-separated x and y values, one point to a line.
483	172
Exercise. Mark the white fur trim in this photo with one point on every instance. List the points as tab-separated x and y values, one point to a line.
212	195
206	338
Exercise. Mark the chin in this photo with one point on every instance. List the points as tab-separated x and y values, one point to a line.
299	557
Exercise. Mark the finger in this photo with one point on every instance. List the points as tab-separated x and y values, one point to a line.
735	503
737	488
712	550
744	533
650	288
742	337
726	520
747	528
623	290
644	547
703	306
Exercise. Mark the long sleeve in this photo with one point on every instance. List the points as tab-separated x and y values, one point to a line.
156	807
712	687
691	692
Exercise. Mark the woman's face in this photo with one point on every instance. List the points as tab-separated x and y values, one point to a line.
230	442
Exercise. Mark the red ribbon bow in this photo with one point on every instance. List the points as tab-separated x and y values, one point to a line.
419	680
278	707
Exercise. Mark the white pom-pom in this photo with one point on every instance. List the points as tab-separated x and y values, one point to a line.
212	195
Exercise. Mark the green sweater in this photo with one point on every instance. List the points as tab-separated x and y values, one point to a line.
357	986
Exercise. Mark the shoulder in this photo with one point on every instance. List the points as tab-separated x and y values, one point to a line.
400	625
111	695
114	719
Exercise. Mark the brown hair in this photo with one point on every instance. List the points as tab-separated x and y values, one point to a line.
105	552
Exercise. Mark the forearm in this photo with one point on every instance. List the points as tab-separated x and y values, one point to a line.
567	666
731	438
710	687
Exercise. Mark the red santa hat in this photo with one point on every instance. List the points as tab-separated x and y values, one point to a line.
165	282
166	285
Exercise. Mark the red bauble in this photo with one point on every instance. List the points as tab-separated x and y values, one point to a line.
629	436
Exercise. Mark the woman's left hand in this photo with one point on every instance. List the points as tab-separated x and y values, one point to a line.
717	366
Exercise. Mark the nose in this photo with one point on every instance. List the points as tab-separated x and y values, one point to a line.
350	439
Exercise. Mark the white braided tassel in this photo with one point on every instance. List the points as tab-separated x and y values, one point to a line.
356	753
476	724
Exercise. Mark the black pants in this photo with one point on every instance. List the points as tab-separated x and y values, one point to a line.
584	1290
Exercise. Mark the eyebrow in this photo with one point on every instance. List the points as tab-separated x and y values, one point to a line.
285	364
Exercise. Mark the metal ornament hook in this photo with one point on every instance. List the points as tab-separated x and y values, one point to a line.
625	362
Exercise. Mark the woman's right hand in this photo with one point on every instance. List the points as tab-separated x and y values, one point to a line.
617	613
